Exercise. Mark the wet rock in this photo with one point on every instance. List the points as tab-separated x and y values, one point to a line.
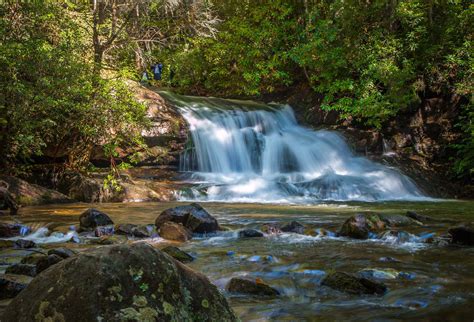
9	230
360	225
250	233
379	273
271	229
62	252
47	261
22	269
247	286
397	236
388	259
104	231
33	258
24	243
394	220
293	227
108	240
93	218
352	284
178	254
7	243
11	286
463	234
194	217
139	231
415	216
120	283
173	231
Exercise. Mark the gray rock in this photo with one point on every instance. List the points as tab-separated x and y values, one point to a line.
92	218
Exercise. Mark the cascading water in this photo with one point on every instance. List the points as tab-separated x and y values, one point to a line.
248	152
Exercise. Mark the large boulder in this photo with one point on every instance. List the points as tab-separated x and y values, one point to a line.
173	231
120	283
361	225
251	287
463	234
193	216
353	284
93	218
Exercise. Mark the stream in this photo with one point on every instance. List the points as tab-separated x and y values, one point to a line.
424	280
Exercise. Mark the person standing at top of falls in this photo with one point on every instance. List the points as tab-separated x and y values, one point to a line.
157	70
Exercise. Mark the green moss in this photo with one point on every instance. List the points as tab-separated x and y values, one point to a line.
168	308
140	301
205	303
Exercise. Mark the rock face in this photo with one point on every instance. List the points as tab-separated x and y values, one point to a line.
463	235
93	218
178	254
173	231
360	225
250	233
28	194
293	227
352	284
194	217
246	286
120	283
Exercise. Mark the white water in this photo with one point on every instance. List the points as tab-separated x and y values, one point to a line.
245	152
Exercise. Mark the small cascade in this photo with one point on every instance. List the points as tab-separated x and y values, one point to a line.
242	151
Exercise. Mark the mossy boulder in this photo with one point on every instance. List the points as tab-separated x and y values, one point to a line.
120	283
193	216
352	284
361	225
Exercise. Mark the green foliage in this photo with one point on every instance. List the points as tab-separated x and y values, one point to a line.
52	101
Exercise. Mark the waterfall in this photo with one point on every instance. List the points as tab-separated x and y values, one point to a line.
242	151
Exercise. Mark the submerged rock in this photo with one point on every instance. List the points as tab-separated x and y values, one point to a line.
360	225
12	285
394	220
178	254
418	217
293	227
93	218
193	216
250	233
247	286
173	231
119	283
352	284
463	234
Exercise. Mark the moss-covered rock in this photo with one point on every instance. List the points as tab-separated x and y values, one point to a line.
124	282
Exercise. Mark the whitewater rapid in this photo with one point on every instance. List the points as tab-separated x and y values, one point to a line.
241	151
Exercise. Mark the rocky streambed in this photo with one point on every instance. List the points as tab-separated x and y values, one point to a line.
271	262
